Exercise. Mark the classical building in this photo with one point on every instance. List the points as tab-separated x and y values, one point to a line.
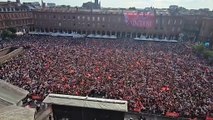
103	22
15	15
206	31
92	5
155	23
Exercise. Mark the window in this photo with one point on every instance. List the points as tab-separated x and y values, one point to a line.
169	21
83	17
175	22
156	21
119	19
93	25
88	18
178	29
93	18
98	18
78	17
73	17
103	19
173	29
181	21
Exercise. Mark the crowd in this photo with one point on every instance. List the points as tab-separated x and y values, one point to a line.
153	77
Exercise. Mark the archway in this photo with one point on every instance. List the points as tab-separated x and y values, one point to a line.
118	34
103	33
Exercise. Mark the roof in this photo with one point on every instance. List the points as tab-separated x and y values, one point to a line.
4	103
17	113
10	93
87	102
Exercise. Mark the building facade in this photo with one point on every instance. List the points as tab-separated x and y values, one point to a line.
103	23
15	15
206	31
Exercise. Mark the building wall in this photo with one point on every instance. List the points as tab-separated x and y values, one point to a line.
206	32
16	19
110	23
15	15
100	23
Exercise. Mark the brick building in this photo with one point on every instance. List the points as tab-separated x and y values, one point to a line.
15	15
206	31
101	22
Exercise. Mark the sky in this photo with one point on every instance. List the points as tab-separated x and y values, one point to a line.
189	4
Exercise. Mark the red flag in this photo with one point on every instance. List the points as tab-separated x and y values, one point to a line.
165	88
172	114
36	97
208	117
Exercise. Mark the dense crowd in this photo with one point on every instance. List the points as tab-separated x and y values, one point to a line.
153	77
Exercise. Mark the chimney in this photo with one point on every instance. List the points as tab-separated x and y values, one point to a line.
42	4
96	2
18	1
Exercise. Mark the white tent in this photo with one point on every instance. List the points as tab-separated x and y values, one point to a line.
87	102
155	40
19	33
102	36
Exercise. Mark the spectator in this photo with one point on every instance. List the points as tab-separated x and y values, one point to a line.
159	78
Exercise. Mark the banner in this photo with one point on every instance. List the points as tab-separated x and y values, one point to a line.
172	114
209	116
140	19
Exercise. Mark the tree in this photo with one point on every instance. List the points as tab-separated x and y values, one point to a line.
132	8
5	34
13	30
9	33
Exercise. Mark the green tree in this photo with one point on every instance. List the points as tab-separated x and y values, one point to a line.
132	8
13	30
8	34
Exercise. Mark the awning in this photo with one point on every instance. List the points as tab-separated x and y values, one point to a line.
16	113
11	94
87	102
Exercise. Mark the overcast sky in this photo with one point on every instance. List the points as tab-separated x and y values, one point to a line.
190	4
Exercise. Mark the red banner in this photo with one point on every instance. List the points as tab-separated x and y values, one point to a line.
172	114
140	19
209	117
